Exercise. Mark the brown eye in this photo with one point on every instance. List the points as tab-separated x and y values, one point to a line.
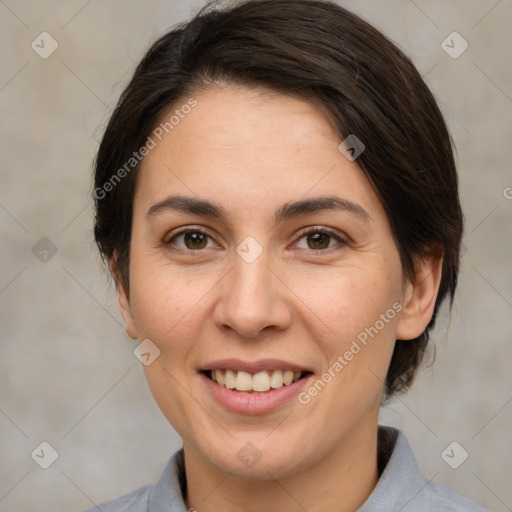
319	239
191	240
195	240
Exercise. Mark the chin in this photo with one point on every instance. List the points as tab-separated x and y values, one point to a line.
257	458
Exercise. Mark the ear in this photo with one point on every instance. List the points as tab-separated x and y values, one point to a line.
123	299
420	297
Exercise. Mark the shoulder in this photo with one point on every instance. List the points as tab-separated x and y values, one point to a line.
165	494
135	501
447	500
401	486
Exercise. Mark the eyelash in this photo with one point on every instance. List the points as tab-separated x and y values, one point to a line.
169	242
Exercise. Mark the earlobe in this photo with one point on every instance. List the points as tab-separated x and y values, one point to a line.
420	298
124	301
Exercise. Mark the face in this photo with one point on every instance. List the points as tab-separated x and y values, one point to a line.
262	260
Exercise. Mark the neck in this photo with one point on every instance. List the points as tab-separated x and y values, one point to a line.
340	482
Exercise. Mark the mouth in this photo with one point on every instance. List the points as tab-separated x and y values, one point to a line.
254	387
257	382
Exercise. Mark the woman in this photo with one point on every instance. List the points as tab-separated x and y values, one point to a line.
276	198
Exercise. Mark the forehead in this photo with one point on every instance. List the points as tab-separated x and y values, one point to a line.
249	148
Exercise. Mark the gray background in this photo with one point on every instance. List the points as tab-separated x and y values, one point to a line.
68	374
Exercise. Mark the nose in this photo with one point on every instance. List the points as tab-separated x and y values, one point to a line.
252	298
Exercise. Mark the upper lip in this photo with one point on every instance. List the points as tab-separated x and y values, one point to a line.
254	366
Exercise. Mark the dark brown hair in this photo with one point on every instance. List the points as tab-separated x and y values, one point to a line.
323	53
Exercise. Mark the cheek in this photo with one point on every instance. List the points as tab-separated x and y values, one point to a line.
347	301
165	304
168	308
354	327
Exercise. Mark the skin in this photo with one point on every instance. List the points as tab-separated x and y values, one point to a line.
251	151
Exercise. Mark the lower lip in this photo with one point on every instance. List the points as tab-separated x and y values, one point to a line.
254	403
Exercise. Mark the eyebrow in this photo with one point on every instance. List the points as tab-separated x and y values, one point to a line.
287	211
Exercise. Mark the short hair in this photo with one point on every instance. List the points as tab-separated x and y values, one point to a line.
323	53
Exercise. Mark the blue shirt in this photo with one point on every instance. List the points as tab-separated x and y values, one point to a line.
400	487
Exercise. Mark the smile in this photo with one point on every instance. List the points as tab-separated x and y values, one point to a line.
259	382
254	387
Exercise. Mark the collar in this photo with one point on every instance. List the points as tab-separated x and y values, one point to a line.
400	487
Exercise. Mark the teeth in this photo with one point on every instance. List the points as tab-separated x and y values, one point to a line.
219	377
229	379
261	381
243	381
277	379
288	377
